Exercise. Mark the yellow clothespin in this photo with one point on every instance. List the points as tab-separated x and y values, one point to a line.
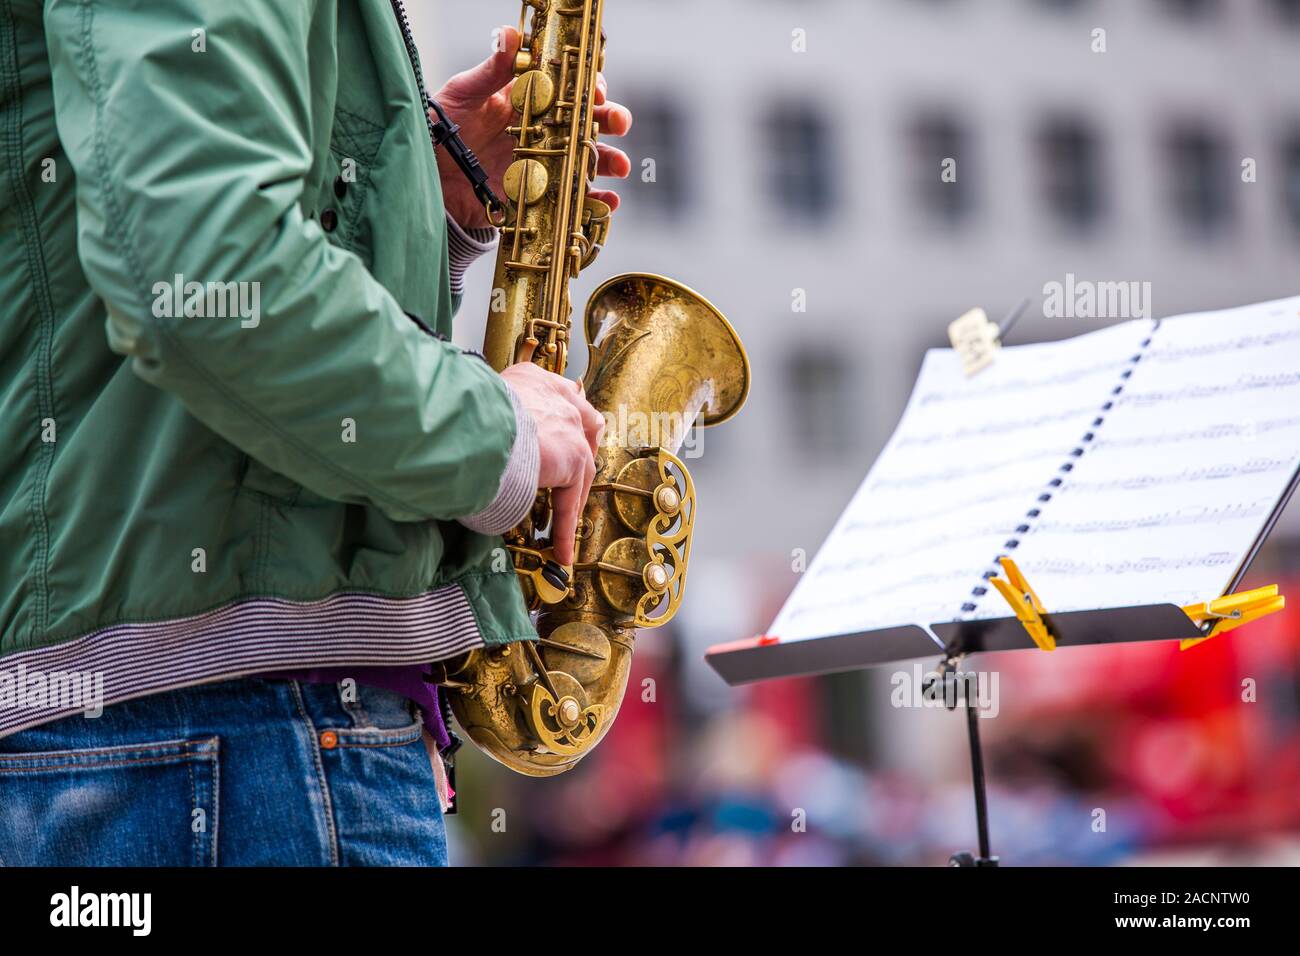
1029	609
1233	611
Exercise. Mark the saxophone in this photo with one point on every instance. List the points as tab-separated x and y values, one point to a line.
660	356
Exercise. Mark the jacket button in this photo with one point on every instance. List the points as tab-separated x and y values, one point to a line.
340	187
329	740
329	220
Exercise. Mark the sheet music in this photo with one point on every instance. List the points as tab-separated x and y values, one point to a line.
965	463
1184	472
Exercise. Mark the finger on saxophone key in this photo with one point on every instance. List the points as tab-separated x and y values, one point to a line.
567	504
593	422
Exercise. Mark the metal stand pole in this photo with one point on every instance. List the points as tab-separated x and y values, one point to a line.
948	671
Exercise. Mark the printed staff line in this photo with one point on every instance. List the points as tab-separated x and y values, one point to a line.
982	390
1257	466
1035	569
900	596
1238	344
1219	431
982	468
897	520
881	581
973	536
997	428
856	567
919	614
1161	520
1247	383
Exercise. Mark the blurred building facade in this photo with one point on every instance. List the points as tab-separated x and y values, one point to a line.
797	150
789	160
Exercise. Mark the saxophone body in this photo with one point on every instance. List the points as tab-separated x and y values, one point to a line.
660	358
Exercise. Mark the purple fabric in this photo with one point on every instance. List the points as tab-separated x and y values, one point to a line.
407	681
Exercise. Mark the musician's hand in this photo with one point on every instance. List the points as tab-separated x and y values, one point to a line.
568	433
479	101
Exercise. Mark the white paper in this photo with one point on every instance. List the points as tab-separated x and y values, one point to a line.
966	462
1183	474
1161	505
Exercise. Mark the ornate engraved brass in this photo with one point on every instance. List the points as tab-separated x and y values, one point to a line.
661	356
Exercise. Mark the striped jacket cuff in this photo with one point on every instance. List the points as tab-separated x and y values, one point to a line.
464	246
518	488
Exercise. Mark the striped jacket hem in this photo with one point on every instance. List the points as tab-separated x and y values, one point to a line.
257	636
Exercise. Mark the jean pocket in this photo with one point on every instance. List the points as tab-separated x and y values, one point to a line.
152	804
377	717
376	736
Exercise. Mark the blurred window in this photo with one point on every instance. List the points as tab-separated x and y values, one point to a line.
820	404
801	174
1288	11
942	167
660	185
1191	9
1201	177
1071	173
1291	178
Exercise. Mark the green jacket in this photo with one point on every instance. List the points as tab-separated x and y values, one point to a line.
282	448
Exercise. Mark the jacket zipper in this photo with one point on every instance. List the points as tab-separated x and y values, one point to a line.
404	24
412	57
447	756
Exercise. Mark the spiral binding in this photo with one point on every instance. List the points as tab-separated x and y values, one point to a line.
1035	513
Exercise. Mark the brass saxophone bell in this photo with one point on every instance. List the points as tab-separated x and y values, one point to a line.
662	357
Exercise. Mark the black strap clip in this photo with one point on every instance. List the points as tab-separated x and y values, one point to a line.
447	134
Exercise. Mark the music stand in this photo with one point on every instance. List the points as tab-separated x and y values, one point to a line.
764	658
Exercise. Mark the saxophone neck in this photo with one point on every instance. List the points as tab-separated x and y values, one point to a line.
552	228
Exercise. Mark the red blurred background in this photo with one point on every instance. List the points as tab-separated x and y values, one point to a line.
1121	754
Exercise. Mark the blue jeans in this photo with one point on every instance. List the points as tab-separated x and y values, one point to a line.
242	773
